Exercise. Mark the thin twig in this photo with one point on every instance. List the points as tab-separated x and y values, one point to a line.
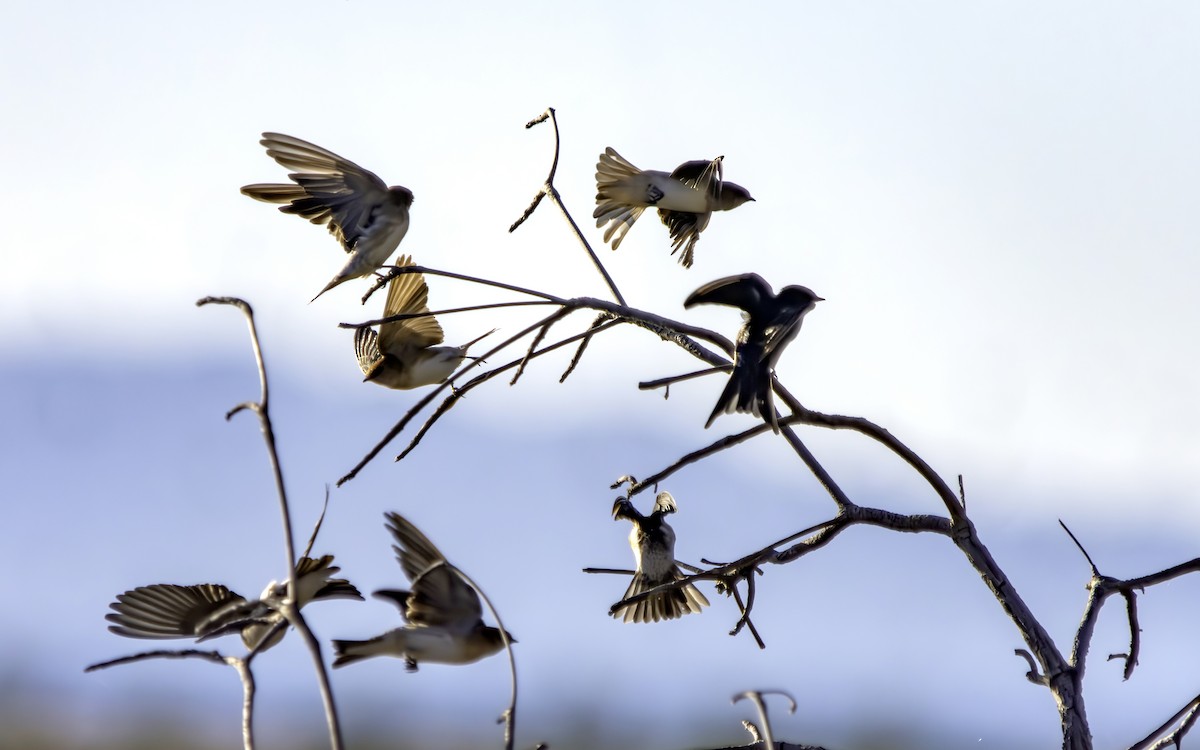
1151	742
478	380
289	609
509	717
756	697
548	189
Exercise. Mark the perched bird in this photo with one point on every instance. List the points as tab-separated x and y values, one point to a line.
685	198
209	610
443	614
364	214
653	543
404	353
771	321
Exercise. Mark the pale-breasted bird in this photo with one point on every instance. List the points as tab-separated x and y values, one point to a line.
653	543
404	353
771	321
209	610
443	614
365	215
685	198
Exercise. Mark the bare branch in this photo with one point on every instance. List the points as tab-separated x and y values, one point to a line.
548	189
462	391
1184	717
600	320
289	610
756	697
648	385
188	653
1086	556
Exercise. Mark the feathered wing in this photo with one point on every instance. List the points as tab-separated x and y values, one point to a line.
165	610
745	291
685	229
408	294
439	597
329	189
684	226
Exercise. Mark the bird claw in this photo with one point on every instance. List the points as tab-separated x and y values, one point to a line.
410	664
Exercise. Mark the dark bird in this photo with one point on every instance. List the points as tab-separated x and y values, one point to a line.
443	614
209	610
653	543
366	216
771	321
685	198
404	353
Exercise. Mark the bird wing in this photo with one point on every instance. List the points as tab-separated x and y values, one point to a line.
408	294
746	291
702	175
313	577
685	228
330	189
439	596
166	610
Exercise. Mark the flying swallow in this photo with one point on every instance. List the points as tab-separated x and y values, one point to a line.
653	543
403	354
685	198
209	610
771	321
444	619
366	216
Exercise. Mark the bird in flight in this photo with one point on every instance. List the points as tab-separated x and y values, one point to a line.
366	216
443	615
404	353
771	321
685	199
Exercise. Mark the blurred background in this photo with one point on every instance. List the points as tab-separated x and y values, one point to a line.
997	200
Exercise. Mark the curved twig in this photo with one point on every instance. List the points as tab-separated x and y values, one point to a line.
756	697
548	189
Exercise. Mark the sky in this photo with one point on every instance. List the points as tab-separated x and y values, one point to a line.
996	200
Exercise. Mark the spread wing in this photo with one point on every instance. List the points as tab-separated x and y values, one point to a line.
408	294
329	189
165	610
702	175
746	291
439	597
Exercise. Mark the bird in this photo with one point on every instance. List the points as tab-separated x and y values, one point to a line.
366	216
209	610
403	354
685	198
443	615
653	543
771	321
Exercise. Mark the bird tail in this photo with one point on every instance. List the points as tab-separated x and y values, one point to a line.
748	390
366	348
348	652
666	605
611	171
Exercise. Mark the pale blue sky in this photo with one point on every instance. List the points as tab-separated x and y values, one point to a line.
997	200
